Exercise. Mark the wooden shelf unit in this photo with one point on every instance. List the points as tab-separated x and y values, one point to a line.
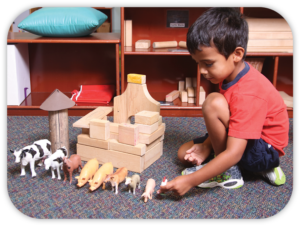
165	67
65	64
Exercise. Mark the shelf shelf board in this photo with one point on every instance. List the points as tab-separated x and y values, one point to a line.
26	37
131	50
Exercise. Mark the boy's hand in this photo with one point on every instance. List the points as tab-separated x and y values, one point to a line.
180	185
197	154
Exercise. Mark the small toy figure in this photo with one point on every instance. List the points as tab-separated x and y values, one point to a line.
133	182
116	178
100	175
149	189
30	154
55	161
87	172
71	164
164	182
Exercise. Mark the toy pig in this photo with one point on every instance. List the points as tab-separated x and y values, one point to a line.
149	189
100	175
87	172
71	164
116	178
133	182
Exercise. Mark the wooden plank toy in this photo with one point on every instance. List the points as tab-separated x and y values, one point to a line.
202	95
142	44
148	129
136	78
181	86
188	82
146	117
182	44
172	96
168	44
99	129
183	96
190	92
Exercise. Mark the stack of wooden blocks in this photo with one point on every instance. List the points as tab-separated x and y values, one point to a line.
134	146
269	35
187	92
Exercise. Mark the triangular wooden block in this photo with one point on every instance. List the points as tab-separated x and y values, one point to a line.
136	98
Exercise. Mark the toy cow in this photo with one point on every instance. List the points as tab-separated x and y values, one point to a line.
133	182
87	172
149	189
100	175
32	153
116	178
71	164
55	161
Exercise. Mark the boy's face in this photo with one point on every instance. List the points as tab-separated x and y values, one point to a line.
214	66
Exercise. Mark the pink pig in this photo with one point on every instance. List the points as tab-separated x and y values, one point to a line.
149	189
71	164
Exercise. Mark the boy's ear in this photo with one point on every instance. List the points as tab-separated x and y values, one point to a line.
238	54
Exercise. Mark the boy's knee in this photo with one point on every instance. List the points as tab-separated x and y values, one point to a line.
214	102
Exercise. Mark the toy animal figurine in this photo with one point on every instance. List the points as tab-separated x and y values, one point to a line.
87	172
100	175
116	178
55	161
133	182
149	189
71	164
32	153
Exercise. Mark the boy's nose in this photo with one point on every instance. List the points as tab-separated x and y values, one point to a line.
203	71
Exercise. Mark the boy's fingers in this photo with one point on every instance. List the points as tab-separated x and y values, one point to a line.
165	188
189	151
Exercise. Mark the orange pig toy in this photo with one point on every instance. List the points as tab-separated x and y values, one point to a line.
116	178
100	175
87	172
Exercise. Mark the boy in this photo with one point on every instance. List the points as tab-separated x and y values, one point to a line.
247	122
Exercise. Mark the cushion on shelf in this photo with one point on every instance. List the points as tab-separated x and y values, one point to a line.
63	21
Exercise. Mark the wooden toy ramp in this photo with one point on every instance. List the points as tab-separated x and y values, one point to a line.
136	98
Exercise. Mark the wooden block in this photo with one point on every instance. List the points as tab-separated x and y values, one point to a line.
182	44
194	82
148	129
181	86
114	127
288	100
172	96
202	95
270	49
168	44
266	42
142	44
86	140
136	78
114	135
128	134
159	120
188	82
190	92
99	129
183	96
156	141
128	32
153	154
139	149
85	131
191	100
146	117
119	159
104	28
268	24
98	113
148	139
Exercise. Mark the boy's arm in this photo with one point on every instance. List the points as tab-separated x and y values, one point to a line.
228	158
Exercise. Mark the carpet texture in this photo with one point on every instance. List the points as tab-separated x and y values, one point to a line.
45	198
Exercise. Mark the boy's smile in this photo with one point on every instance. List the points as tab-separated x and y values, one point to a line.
215	67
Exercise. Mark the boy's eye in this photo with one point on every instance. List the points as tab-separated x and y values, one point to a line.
208	65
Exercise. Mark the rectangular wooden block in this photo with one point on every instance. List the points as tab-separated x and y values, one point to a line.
188	82
114	135
148	129
142	44
183	96
172	96
98	113
146	117
167	44
159	120
202	95
139	149
149	138
136	78
128	32
99	129
119	159
151	145
86	140
191	100
153	154
128	134
181	86
114	127
190	92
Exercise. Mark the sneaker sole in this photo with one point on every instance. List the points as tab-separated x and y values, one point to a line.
226	184
280	177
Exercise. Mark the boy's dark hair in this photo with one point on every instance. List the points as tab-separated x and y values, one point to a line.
225	27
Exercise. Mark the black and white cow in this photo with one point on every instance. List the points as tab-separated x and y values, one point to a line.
32	153
55	161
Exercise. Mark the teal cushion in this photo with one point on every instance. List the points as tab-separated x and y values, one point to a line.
63	21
